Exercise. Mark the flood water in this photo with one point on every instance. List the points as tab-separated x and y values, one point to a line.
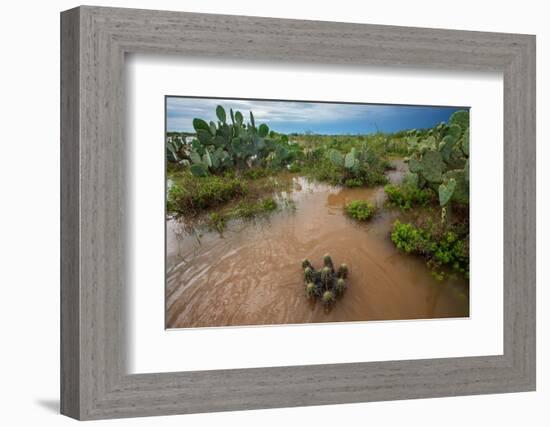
252	275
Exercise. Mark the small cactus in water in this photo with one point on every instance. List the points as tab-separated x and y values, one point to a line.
328	298
306	263
311	290
309	275
326	277
340	287
326	283
327	260
343	271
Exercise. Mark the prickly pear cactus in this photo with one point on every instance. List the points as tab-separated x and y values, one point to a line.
336	158
446	190
432	166
224	145
441	161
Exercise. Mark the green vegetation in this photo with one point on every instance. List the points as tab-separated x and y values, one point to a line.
190	195
407	196
232	168
443	244
326	284
247	209
330	162
439	170
229	168
440	161
225	146
217	221
361	210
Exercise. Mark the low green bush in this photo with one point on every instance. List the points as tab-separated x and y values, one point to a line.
295	167
440	244
325	171
406	196
190	194
257	173
354	182
361	210
217	221
247	209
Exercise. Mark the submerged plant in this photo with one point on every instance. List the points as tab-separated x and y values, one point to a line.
311	290
309	274
340	287
327	261
326	277
326	284
328	298
217	221
343	271
306	263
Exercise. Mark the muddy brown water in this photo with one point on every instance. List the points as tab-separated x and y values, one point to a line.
252	275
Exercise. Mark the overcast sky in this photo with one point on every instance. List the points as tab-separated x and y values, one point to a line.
320	118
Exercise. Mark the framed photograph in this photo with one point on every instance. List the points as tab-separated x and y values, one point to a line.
262	213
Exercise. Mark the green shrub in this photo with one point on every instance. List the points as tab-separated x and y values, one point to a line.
374	177
217	221
257	173
191	194
354	182
361	210
441	245
324	171
247	209
294	167
406	196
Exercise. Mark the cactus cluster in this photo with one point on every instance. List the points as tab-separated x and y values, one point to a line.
222	145
440	161
327	284
351	161
360	166
174	145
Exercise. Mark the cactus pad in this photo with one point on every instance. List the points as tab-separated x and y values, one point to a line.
446	190
461	193
460	118
432	166
336	158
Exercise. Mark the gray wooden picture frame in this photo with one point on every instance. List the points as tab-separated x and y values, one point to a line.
94	41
